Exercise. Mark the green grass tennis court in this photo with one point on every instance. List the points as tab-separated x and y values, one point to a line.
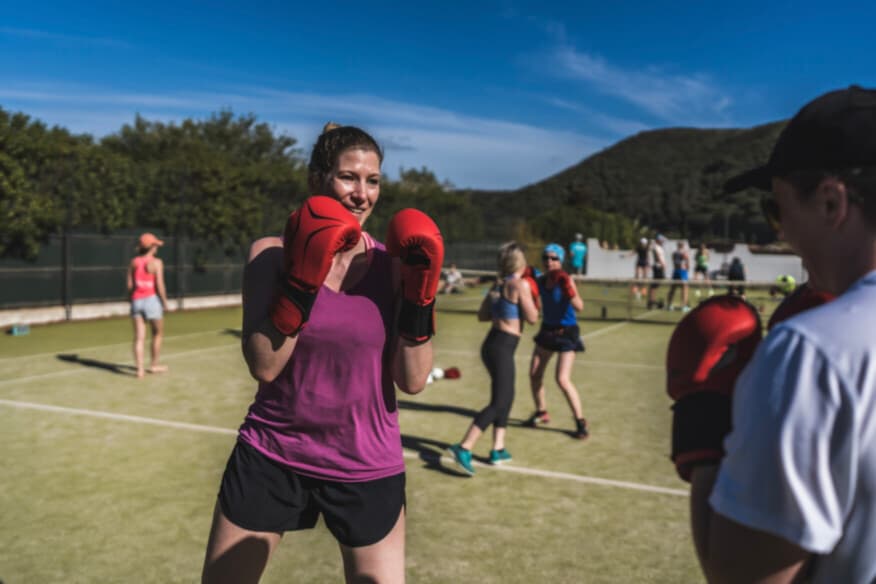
111	479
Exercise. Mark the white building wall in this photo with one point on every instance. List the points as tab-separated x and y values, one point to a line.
620	263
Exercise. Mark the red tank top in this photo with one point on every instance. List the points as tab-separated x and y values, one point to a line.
144	282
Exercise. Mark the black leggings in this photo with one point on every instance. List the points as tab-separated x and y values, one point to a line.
497	352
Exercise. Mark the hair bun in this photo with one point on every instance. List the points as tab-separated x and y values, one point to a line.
329	127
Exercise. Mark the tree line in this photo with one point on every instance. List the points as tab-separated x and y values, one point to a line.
229	179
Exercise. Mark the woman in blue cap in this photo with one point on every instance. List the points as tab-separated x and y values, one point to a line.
559	334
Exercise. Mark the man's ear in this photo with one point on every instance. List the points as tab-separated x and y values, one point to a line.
832	198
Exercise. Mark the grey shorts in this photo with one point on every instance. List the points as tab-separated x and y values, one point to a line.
149	308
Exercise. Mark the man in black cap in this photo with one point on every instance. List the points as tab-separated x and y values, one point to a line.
782	458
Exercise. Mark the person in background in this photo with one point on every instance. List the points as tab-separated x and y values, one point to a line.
559	334
680	273
453	282
333	321
658	270
506	306
778	436
736	274
701	266
146	290
578	254
643	262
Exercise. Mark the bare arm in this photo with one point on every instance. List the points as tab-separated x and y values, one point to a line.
158	266
265	349
412	364
484	313
528	310
411	361
731	552
577	302
130	279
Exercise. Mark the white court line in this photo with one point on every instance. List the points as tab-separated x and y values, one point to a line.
113	416
86	369
125	344
407	454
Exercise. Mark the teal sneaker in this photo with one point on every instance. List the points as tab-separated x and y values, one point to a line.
462	457
499	456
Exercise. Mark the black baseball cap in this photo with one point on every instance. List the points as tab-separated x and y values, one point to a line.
835	131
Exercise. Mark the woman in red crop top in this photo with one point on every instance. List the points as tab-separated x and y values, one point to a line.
148	301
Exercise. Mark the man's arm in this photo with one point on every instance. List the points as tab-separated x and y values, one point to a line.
731	552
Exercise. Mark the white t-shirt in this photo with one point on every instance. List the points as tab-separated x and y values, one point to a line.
801	459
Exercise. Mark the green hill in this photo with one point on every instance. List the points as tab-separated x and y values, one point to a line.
667	180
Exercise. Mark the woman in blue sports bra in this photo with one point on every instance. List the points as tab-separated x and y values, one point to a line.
559	334
507	305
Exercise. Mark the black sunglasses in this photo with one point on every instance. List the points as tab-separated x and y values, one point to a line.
771	213
547	257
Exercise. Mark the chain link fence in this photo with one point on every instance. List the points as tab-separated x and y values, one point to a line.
91	267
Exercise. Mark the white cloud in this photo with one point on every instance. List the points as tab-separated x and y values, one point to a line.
42	35
676	98
615	125
469	151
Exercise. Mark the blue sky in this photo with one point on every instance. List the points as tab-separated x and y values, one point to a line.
492	94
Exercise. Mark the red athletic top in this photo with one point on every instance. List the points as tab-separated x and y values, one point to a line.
144	282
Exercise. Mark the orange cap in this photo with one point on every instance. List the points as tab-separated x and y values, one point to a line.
147	240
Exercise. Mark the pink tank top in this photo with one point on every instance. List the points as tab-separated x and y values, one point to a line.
144	282
332	413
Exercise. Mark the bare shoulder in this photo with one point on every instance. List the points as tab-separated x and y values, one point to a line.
154	265
260	245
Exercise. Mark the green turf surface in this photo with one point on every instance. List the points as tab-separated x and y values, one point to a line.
87	497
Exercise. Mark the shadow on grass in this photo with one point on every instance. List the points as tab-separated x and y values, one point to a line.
430	452
424	407
456	310
117	368
542	428
233	332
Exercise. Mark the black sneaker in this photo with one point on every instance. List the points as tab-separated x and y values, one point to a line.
581	432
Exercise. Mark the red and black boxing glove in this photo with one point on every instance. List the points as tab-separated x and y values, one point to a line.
314	233
564	281
413	237
801	299
529	276
708	350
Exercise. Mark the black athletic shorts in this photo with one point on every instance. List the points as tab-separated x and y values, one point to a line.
260	494
657	273
560	338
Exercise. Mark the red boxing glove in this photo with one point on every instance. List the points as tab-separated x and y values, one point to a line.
564	281
709	348
529	276
314	233
414	237
801	299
